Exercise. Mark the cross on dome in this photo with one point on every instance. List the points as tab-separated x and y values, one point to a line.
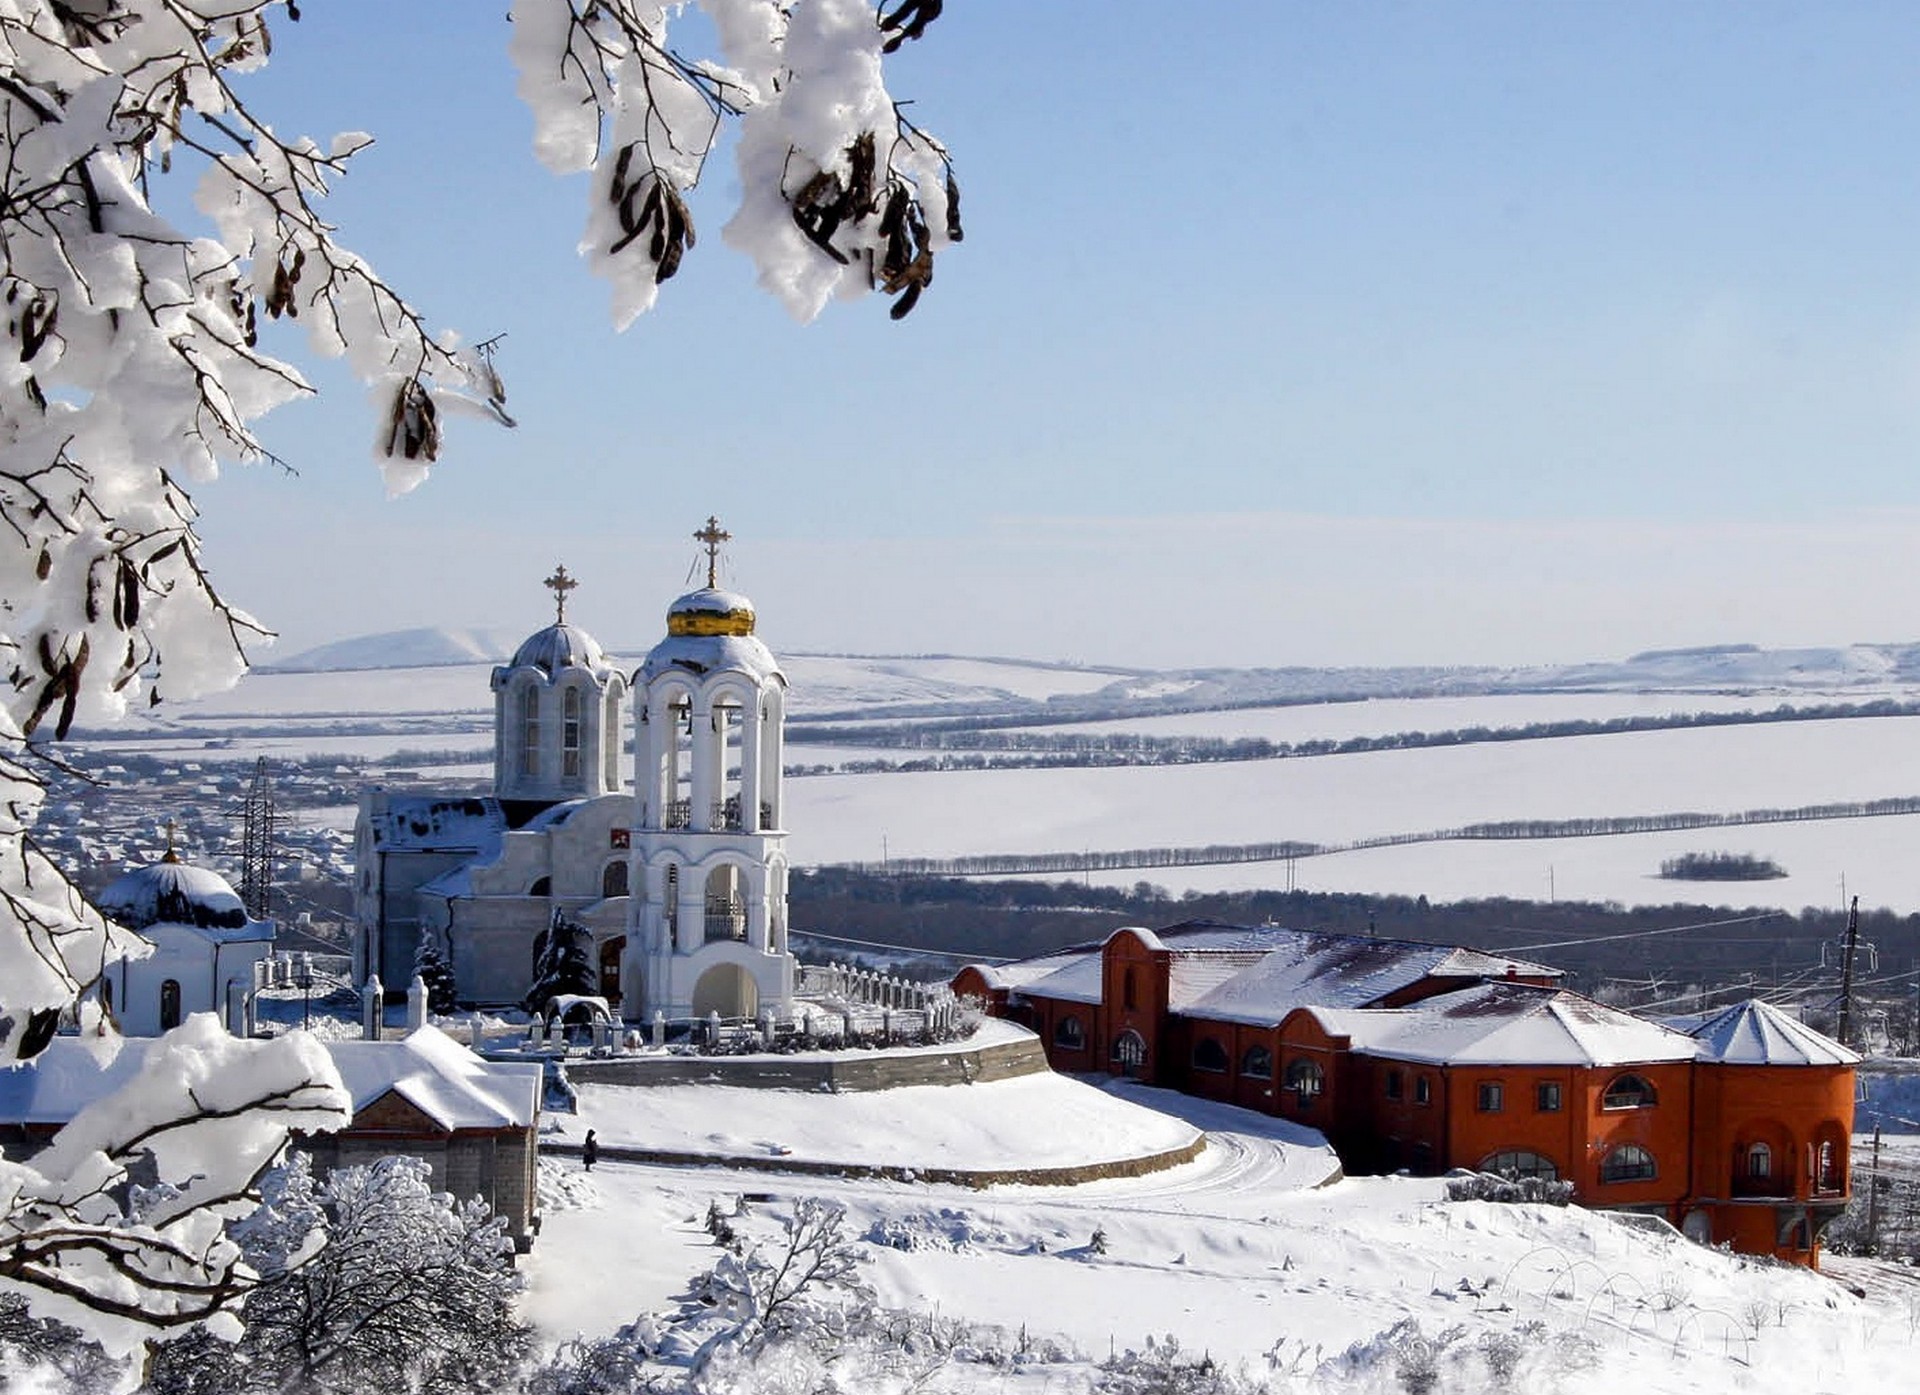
170	855
712	536
560	583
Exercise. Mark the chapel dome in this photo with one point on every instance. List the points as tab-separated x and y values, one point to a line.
171	892
710	611
557	647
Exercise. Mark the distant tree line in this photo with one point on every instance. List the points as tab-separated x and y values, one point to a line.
986	744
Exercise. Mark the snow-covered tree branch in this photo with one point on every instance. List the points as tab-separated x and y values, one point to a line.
132	365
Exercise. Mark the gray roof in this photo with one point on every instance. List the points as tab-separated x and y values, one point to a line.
1754	1033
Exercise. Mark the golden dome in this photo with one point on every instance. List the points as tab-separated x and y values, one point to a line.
710	612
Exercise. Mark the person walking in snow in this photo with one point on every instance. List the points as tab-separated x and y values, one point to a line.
590	1150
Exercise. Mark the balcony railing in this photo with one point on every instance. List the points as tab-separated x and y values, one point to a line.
726	919
679	814
726	815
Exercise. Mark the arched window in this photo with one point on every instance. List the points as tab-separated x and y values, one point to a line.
726	904
672	906
542	887
1305	1078
1209	1055
1629	1092
1257	1061
169	1005
530	731
1517	1162
1130	1051
1069	1035
613	879
1627	1163
106	995
1129	988
1759	1162
570	734
1829	1168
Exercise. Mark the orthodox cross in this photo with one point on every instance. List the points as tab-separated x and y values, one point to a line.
560	583
170	855
712	536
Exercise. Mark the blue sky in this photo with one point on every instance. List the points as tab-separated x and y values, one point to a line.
1283	333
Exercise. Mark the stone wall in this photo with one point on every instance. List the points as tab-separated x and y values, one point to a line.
840	1071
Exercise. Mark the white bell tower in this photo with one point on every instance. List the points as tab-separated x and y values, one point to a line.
557	713
707	925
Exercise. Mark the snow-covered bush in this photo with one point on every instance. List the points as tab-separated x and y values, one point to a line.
431	966
370	1281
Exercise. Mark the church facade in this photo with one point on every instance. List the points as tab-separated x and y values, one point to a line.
681	879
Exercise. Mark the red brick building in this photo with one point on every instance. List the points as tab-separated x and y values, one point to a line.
1432	1057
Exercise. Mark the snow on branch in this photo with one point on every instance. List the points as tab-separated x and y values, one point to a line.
119	1226
841	194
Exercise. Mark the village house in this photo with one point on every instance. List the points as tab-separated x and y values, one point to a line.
1428	1058
475	1122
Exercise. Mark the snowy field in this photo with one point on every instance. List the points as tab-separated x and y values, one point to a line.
1331	799
375	715
1872	858
1252	1269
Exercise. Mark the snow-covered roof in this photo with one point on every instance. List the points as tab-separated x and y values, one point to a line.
442	1079
439	823
429	1069
1303	968
176	893
1499	1024
555	648
704	654
1076	980
1754	1033
1021	972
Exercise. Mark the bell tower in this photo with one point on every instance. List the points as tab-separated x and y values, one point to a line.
708	912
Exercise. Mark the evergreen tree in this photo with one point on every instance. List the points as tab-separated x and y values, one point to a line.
431	965
564	964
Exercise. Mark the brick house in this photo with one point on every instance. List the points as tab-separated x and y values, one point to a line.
1432	1057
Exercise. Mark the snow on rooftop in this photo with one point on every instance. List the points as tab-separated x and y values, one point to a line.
1754	1033
704	654
1022	972
426	822
1507	1024
433	1072
442	1079
1077	980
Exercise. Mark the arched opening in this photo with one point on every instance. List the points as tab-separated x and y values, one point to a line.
1130	988
1069	1034
728	990
1518	1162
570	735
1306	1080
1258	1061
1210	1056
1829	1159
530	731
1629	1091
671	906
679	750
610	737
169	1005
1628	1163
728	723
726	904
613	878
1130	1052
610	952
542	886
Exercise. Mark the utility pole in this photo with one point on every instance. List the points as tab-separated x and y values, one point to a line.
1846	973
1873	1197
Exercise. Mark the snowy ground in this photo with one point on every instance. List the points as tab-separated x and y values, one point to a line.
1235	1257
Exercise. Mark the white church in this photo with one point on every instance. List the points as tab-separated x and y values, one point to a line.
681	879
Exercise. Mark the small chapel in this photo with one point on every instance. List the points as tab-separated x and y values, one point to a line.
680	877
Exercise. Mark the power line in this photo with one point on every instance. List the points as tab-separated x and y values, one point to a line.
1643	934
905	949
